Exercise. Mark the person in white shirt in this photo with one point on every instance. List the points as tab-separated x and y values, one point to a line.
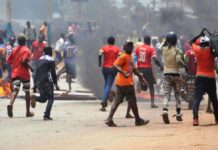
59	48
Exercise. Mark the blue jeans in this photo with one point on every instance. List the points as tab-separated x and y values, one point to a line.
46	93
109	75
70	66
58	57
202	85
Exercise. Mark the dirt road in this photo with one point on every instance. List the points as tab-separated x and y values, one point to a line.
80	126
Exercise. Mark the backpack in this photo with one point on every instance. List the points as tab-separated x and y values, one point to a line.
213	42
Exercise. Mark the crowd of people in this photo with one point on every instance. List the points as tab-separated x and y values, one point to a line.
27	55
177	56
173	55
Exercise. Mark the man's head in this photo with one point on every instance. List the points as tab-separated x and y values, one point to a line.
12	40
128	47
21	40
47	51
45	23
111	40
147	40
171	38
62	35
70	37
28	24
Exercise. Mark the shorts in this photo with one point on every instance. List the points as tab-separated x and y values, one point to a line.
127	92
16	82
148	75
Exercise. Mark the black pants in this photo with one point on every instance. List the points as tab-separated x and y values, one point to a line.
202	85
127	92
46	94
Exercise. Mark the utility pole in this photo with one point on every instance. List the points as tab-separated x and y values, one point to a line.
8	11
154	4
48	19
181	4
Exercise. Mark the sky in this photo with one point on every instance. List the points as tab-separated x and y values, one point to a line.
145	2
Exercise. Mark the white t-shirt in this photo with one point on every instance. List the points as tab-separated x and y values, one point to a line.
59	45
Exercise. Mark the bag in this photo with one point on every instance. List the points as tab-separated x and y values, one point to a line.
216	65
144	87
213	42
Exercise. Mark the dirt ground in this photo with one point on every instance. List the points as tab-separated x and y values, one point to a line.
80	126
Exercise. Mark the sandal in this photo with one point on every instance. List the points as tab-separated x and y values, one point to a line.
30	114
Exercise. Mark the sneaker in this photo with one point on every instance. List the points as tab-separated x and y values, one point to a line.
154	106
47	118
57	87
195	122
165	118
141	122
128	116
110	122
179	117
102	109
32	100
104	104
30	114
10	111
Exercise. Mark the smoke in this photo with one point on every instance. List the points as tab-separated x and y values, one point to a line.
89	72
110	22
122	22
206	12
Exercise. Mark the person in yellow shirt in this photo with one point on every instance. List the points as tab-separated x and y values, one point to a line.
44	30
173	60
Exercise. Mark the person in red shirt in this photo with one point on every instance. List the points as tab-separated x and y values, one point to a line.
125	86
188	80
37	50
110	53
190	62
205	77
19	59
145	54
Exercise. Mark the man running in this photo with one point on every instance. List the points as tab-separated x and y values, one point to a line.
145	54
110	53
125	86
19	59
59	47
44	78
